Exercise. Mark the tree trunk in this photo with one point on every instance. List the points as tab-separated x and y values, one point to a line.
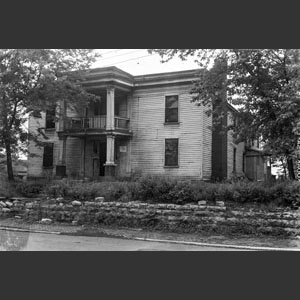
10	172
290	166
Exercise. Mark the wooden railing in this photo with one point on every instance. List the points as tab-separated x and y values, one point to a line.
121	123
98	122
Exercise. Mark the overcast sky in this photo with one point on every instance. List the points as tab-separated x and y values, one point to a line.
139	61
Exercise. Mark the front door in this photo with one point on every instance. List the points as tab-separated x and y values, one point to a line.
102	157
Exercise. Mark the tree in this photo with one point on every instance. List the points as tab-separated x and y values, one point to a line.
33	80
262	83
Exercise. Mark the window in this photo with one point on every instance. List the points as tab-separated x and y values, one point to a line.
50	118
171	109
48	156
171	153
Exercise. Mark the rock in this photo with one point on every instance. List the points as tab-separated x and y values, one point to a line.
18	217
2	204
99	199
29	205
76	203
18	199
46	221
4	209
61	204
220	203
202	202
9	204
59	199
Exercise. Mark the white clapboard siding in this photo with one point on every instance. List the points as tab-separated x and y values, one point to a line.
35	163
207	145
149	133
73	156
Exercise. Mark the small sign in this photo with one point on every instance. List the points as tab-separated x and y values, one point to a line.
123	149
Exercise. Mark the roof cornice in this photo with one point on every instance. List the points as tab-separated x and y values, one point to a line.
113	74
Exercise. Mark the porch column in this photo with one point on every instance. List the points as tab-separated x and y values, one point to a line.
110	166
61	165
110	107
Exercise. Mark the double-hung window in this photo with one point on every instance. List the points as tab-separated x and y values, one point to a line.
171	153
171	114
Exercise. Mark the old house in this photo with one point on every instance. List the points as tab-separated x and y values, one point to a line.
142	125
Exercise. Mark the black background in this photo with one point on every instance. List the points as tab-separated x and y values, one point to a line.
152	275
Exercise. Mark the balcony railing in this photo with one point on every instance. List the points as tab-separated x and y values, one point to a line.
121	123
99	122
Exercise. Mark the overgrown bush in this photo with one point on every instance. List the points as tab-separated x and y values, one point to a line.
29	189
86	191
168	190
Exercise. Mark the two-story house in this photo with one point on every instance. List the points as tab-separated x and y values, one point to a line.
142	125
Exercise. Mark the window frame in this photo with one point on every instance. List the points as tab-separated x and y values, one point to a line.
166	109
166	160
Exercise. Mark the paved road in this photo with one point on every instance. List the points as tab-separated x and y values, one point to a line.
24	241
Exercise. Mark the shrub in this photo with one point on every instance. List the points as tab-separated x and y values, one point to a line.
58	189
168	190
87	191
29	189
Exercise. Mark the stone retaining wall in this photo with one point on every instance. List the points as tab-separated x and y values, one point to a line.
179	218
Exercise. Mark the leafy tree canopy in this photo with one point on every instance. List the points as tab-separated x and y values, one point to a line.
263	84
34	80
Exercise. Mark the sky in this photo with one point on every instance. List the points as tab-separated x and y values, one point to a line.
140	62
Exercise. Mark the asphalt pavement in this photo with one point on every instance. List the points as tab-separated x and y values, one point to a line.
29	241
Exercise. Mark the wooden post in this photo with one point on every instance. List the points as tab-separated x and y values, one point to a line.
110	104
61	166
110	166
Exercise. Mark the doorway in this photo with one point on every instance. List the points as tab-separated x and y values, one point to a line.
102	157
99	158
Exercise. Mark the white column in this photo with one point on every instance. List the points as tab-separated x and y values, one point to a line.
110	150
110	107
62	151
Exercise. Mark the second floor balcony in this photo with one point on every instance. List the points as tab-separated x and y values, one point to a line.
95	123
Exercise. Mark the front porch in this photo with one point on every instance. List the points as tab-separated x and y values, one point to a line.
104	133
101	156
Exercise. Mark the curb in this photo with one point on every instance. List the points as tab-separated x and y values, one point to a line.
164	241
28	230
217	245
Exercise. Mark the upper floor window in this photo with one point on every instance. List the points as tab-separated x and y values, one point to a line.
50	118
171	153
48	156
171	109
